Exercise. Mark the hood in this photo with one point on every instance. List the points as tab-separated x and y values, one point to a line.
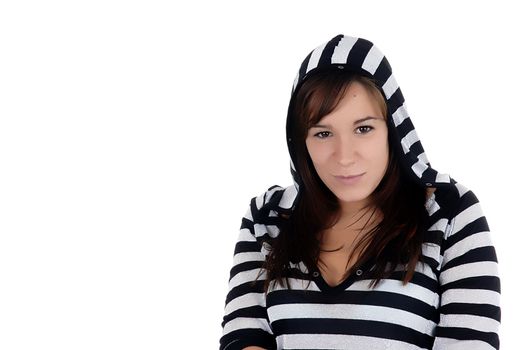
363	57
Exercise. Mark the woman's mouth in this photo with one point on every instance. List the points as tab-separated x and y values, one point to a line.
349	180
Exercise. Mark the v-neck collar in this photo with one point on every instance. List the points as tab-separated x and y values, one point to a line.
358	274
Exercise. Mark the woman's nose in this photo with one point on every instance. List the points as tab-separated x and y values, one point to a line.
345	151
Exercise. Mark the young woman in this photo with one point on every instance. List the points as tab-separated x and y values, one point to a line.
371	248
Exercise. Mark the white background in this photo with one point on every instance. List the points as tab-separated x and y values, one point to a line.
134	133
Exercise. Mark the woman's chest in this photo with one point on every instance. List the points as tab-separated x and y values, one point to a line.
390	312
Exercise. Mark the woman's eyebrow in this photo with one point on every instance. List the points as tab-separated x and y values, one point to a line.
355	122
367	118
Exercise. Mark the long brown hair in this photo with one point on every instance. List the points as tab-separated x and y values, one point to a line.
396	239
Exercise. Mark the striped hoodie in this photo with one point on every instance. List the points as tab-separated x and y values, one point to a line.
452	302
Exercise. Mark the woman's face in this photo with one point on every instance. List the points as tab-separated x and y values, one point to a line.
351	142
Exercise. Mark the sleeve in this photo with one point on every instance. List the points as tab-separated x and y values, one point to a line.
246	322
470	311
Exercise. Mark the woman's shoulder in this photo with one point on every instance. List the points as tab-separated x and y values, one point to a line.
453	198
267	210
276	201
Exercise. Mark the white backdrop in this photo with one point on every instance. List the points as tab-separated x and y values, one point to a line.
131	134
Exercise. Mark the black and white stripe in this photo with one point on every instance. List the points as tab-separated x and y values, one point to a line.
452	301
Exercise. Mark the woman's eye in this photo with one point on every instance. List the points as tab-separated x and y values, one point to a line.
322	133
364	129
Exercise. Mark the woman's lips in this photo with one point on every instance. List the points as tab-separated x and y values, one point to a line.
349	180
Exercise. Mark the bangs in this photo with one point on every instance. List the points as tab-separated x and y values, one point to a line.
324	93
